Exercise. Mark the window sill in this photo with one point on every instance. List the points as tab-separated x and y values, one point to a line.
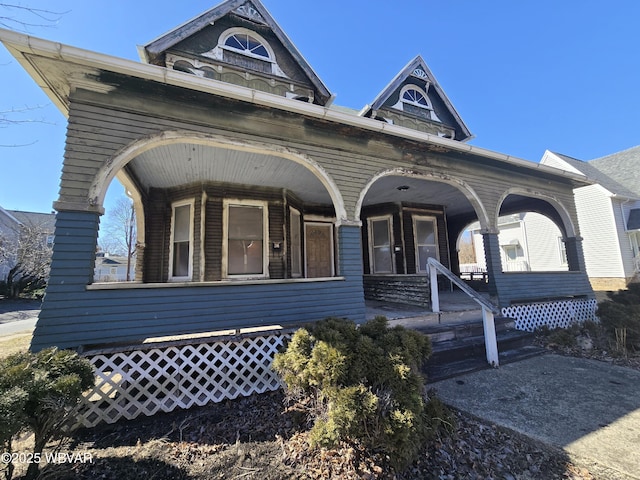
222	283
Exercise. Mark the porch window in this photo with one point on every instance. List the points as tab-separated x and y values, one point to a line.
295	243
380	243
181	252
245	226
426	241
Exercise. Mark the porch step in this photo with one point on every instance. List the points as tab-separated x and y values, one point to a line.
459	349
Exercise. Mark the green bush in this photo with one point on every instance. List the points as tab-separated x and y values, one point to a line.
360	383
38	392
622	312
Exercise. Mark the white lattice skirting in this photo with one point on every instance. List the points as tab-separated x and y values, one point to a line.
153	379
555	314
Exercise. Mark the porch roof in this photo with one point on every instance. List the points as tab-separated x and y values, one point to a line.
59	69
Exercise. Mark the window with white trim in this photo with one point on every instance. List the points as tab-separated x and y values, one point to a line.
414	100
295	246
245	238
181	249
415	97
425	237
381	244
247	44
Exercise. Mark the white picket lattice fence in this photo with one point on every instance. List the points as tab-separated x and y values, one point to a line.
555	314
153	379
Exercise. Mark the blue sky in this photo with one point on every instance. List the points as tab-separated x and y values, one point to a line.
524	75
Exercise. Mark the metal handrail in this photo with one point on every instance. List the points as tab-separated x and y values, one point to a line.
433	263
488	308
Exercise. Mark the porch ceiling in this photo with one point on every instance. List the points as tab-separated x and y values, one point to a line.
386	190
183	164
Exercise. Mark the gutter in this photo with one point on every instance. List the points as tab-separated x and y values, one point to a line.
20	45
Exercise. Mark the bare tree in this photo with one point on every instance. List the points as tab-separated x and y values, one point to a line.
27	252
467	253
23	19
120	231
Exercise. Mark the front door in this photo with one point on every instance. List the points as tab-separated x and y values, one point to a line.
319	249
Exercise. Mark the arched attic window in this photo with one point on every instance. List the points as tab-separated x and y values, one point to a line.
414	100
246	48
247	45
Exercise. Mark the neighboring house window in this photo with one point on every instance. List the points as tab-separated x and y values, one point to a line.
295	243
245	224
181	252
426	241
113	270
514	260
634	237
380	244
563	251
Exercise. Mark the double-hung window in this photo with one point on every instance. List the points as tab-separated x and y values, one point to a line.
426	241
246	237
181	252
381	245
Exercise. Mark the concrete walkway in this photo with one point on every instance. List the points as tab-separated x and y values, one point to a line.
588	408
17	316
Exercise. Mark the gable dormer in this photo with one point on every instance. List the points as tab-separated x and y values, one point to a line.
239	42
414	99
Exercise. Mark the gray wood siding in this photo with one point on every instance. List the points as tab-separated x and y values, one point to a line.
405	289
522	287
213	240
276	234
350	159
100	126
73	316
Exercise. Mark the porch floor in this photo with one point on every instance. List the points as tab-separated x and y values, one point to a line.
456	307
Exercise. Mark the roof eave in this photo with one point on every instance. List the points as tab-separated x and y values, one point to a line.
20	45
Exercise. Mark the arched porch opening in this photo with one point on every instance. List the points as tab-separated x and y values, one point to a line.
407	217
536	234
210	208
532	252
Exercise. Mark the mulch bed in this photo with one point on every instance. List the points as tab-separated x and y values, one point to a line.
253	438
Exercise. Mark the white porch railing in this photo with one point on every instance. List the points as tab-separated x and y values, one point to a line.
488	309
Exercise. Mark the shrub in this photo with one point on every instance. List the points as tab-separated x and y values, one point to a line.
38	392
622	312
360	383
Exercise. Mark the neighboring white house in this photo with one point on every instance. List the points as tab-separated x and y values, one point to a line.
113	268
528	241
12	222
608	215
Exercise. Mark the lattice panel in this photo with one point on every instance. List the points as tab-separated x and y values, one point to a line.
147	381
558	314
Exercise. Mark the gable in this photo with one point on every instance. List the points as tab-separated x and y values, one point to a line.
239	42
414	99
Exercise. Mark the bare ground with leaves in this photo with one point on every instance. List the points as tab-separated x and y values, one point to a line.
254	438
588	340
